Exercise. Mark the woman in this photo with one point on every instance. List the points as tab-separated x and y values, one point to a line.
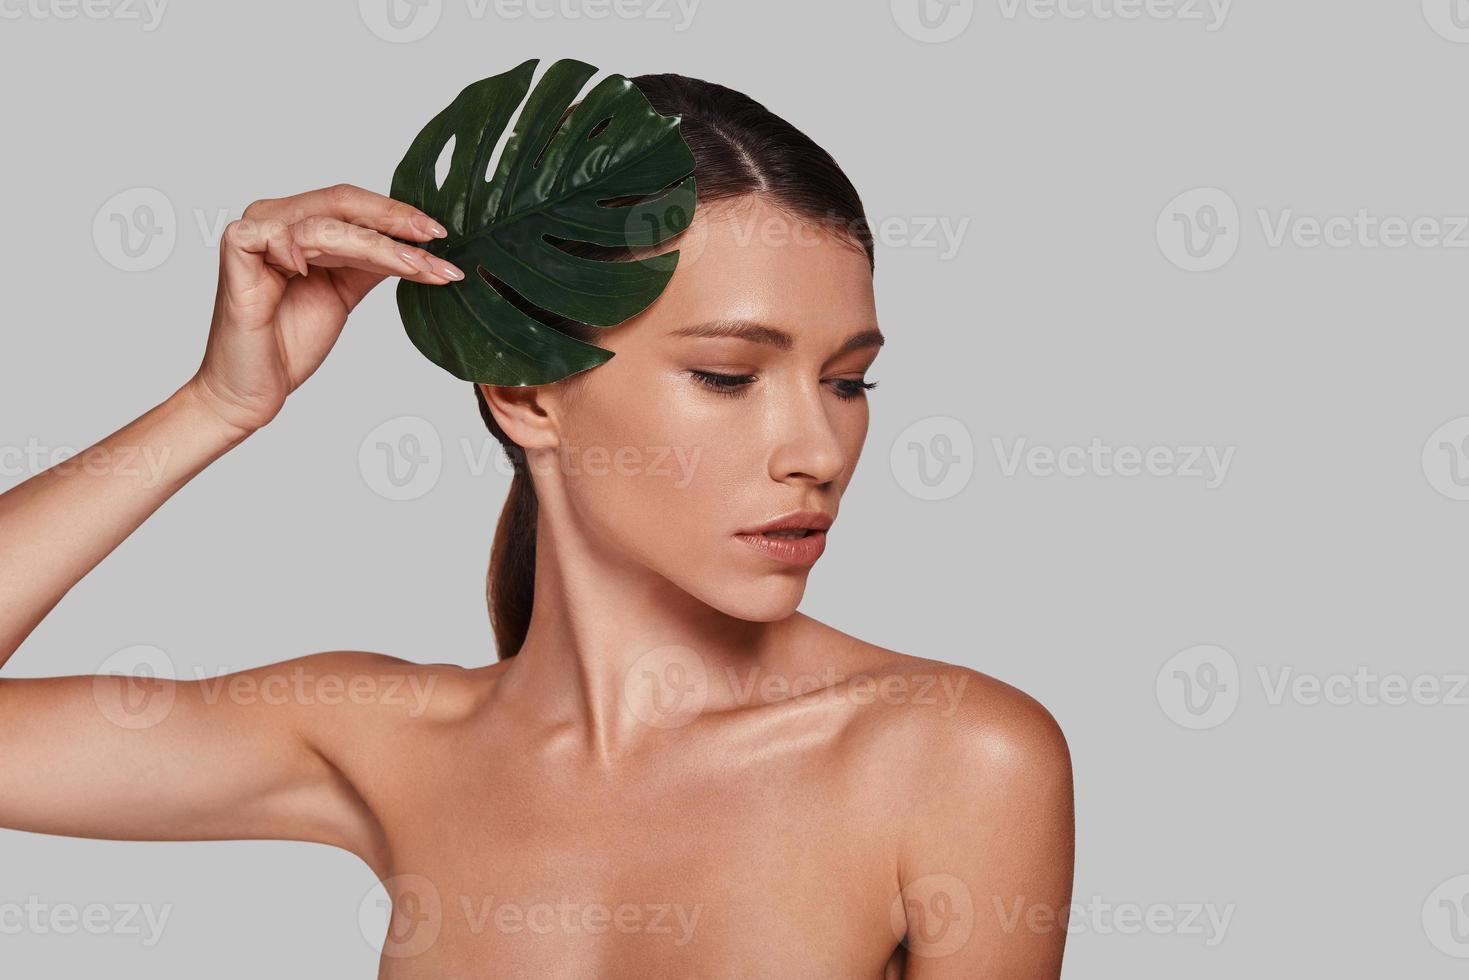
670	772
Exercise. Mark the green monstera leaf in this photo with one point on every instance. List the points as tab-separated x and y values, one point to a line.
551	185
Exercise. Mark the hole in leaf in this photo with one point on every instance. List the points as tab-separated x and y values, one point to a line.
493	164
536	313
628	200
598	129
441	166
589	250
555	133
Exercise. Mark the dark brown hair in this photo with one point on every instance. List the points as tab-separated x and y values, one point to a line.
740	149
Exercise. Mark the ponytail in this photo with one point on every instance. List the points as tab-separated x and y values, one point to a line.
511	581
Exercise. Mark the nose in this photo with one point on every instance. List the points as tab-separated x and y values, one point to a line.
805	445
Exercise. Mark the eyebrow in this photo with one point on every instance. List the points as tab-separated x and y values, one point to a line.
761	333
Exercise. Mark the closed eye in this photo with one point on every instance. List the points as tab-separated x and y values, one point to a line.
734	384
725	384
852	387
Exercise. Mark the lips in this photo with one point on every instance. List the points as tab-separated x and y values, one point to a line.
795	539
801	520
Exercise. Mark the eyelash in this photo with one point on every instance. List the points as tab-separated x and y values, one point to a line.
732	385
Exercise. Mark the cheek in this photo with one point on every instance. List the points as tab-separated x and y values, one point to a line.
852	431
661	464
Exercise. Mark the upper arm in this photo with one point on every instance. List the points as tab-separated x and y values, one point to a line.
986	873
133	758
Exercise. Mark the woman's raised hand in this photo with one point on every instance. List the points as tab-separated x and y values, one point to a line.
290	270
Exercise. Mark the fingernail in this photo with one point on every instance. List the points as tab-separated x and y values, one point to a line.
445	269
429	226
412	259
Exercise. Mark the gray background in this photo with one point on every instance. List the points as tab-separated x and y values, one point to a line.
1057	144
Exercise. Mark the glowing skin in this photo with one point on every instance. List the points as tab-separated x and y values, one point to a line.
679	775
648	556
787	441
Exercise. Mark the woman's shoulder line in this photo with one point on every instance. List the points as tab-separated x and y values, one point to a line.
944	703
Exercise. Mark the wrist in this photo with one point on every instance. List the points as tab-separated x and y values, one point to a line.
197	404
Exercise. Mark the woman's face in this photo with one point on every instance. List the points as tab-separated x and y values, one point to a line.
733	400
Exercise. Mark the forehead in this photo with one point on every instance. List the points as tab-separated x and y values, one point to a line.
750	260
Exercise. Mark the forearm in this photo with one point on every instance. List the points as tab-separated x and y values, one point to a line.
59	524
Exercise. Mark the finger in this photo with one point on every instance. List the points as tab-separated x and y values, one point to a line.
356	205
332	243
248	248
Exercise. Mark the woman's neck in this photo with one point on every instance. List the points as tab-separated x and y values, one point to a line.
614	651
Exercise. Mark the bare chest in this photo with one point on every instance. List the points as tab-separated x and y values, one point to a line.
512	865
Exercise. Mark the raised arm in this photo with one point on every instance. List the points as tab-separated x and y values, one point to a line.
291	270
59	524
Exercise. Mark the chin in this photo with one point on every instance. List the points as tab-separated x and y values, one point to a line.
769	600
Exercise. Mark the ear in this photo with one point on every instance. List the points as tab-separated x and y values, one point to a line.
524	413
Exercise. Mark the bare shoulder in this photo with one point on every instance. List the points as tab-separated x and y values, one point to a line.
976	781
952	726
344	691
